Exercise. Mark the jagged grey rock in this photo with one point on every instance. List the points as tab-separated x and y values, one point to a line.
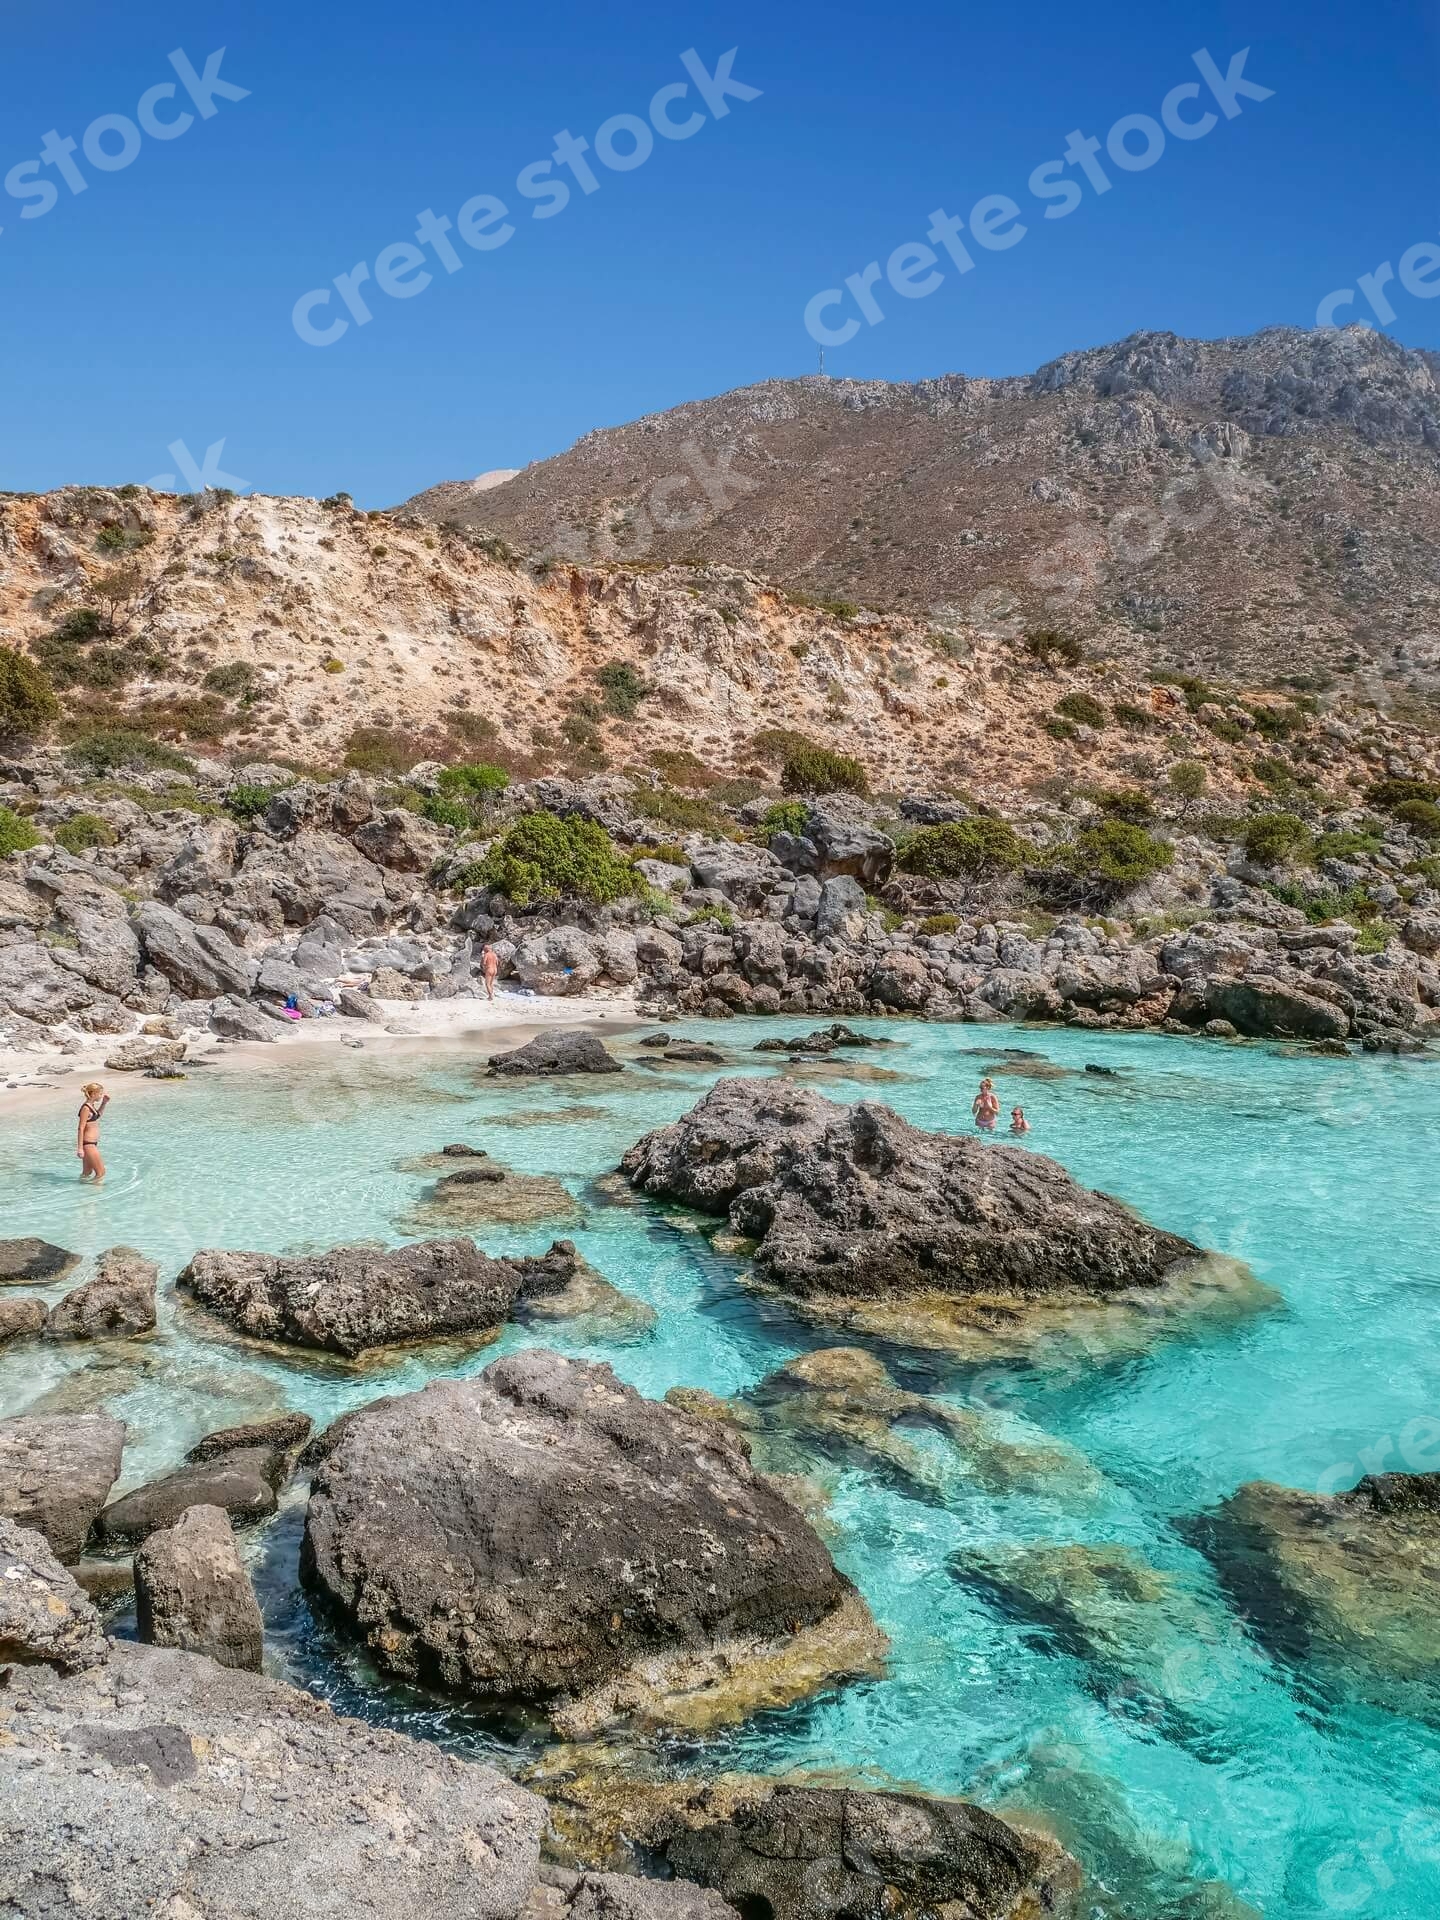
55	1473
192	1591
119	1301
352	1299
197	961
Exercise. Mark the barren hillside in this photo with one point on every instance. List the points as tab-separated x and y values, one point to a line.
1253	508
286	628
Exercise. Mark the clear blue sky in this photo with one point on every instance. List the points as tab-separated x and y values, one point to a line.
156	305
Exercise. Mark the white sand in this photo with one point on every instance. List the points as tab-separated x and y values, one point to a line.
510	1019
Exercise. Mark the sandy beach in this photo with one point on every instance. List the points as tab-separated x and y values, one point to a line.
509	1020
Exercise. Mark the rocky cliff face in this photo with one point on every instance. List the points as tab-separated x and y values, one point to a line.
1254	506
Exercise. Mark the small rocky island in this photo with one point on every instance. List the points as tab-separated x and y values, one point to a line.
858	1218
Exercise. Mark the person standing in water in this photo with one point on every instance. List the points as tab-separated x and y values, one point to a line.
87	1132
489	968
986	1106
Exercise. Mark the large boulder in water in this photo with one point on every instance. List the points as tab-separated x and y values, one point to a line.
192	1591
161	1783
119	1301
352	1299
55	1472
853	1200
542	1535
32	1262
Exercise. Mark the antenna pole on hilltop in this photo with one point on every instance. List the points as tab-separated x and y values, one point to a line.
822	363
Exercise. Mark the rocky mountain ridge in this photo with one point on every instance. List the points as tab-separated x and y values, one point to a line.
1248	507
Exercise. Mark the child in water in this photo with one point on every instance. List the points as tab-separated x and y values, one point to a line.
1018	1122
986	1107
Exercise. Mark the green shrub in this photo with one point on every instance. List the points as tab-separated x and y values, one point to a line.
1187	779
1374	936
542	857
447	813
1345	844
27	699
720	917
477	777
1390	794
98	669
1053	649
82	831
786	816
232	680
581	733
78	627
1114	854
475	729
1135	719
331	665
1196	693
1223	727
1277	723
1061	729
669	852
1126	803
978	849
1273	839
812	769
248	802
938	923
1083	709
16	835
107	750
1421	816
622	687
384	750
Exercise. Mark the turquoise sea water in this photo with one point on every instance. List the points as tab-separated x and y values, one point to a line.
1167	1747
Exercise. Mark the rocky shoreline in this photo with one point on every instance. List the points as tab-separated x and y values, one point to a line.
195	909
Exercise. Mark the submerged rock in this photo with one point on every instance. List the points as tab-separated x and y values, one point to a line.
488	1195
162	1783
191	1591
574	1050
44	1615
812	1853
842	1401
543	1535
861	1219
1345	1584
55	1472
32	1262
353	1299
119	1301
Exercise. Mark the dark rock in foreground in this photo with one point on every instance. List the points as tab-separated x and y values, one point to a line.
1346	1586
572	1051
853	1200
119	1301
352	1299
31	1262
544	1535
161	1783
55	1473
44	1616
803	1853
191	1591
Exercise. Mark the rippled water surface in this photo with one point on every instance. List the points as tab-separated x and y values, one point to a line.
1166	1746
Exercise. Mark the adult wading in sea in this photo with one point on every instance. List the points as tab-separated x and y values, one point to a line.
87	1132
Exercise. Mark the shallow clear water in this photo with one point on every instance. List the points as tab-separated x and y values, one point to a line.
1176	1752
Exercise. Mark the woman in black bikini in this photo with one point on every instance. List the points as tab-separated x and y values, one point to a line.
87	1135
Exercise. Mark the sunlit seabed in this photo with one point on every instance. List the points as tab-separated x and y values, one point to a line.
1164	1762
